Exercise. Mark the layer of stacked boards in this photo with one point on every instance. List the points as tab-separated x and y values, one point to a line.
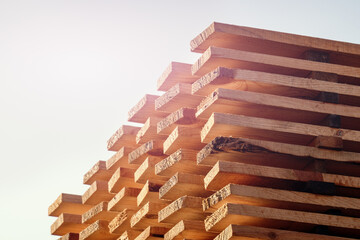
258	139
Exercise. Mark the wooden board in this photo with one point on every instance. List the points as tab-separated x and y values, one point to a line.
150	193
146	171
152	233
242	214
215	57
148	132
143	109
269	197
70	236
183	116
123	177
97	230
175	73
178	96
124	136
98	212
238	232
147	216
182	184
183	137
121	222
97	172
224	173
183	160
275	154
68	203
262	82
223	124
66	223
272	42
152	148
125	198
129	235
96	193
189	229
185	207
271	106
120	159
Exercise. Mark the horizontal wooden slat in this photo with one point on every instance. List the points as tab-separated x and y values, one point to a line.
125	198
68	203
97	172
96	193
123	177
124	136
189	229
98	212
66	223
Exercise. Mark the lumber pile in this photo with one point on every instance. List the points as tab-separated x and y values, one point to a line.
258	139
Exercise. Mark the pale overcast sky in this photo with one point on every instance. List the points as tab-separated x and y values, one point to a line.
70	71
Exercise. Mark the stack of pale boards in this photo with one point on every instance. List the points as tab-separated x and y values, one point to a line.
258	139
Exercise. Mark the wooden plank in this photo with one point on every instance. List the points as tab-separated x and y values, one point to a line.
275	154
223	124
242	214
177	97
276	84
123	177
98	172
98	212
125	198
183	116
183	160
148	132
145	108
185	207
224	173
146	171
124	136
214	57
272	42
149	193
183	184
183	137
147	216
239	232
68	203
269	197
70	236
67	223
152	233
96	193
243	102
175	73
120	159
189	229
152	148
129	235
97	230
121	222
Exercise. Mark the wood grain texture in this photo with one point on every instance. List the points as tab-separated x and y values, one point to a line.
96	193
68	203
189	229
178	96
238	214
122	177
146	171
148	132
150	193
124	136
121	222
175	73
98	212
120	159
238	232
147	215
152	233
143	109
224	173
214	57
185	207
272	42
183	160
183	137
69	236
152	148
97	230
66	223
124	199
97	172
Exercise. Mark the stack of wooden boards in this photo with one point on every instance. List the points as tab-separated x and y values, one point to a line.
259	139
